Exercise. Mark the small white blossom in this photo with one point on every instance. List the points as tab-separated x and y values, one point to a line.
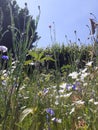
22	88
56	120
85	84
4	71
3	48
66	95
84	76
32	63
91	100
4	83
61	91
89	63
73	109
23	107
84	70
95	103
54	87
26	97
74	75
56	102
96	68
63	85
80	102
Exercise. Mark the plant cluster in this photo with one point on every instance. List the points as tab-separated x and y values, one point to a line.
44	101
67	57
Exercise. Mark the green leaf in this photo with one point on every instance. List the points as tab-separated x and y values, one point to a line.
33	54
27	62
40	56
48	58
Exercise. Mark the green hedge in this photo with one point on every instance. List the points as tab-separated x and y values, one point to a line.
68	55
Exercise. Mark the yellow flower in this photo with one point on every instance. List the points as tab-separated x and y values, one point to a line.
40	93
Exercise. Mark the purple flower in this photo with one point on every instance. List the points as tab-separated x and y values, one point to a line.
74	87
68	87
50	111
45	91
4	57
3	48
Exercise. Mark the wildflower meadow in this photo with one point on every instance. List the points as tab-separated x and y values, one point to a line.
47	89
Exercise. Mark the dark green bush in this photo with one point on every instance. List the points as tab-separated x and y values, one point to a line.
70	55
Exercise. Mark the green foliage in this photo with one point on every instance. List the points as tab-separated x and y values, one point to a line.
39	56
24	100
69	55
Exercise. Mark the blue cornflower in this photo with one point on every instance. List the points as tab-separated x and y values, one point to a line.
4	57
50	111
74	86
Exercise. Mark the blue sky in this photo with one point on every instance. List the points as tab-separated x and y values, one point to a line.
68	16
